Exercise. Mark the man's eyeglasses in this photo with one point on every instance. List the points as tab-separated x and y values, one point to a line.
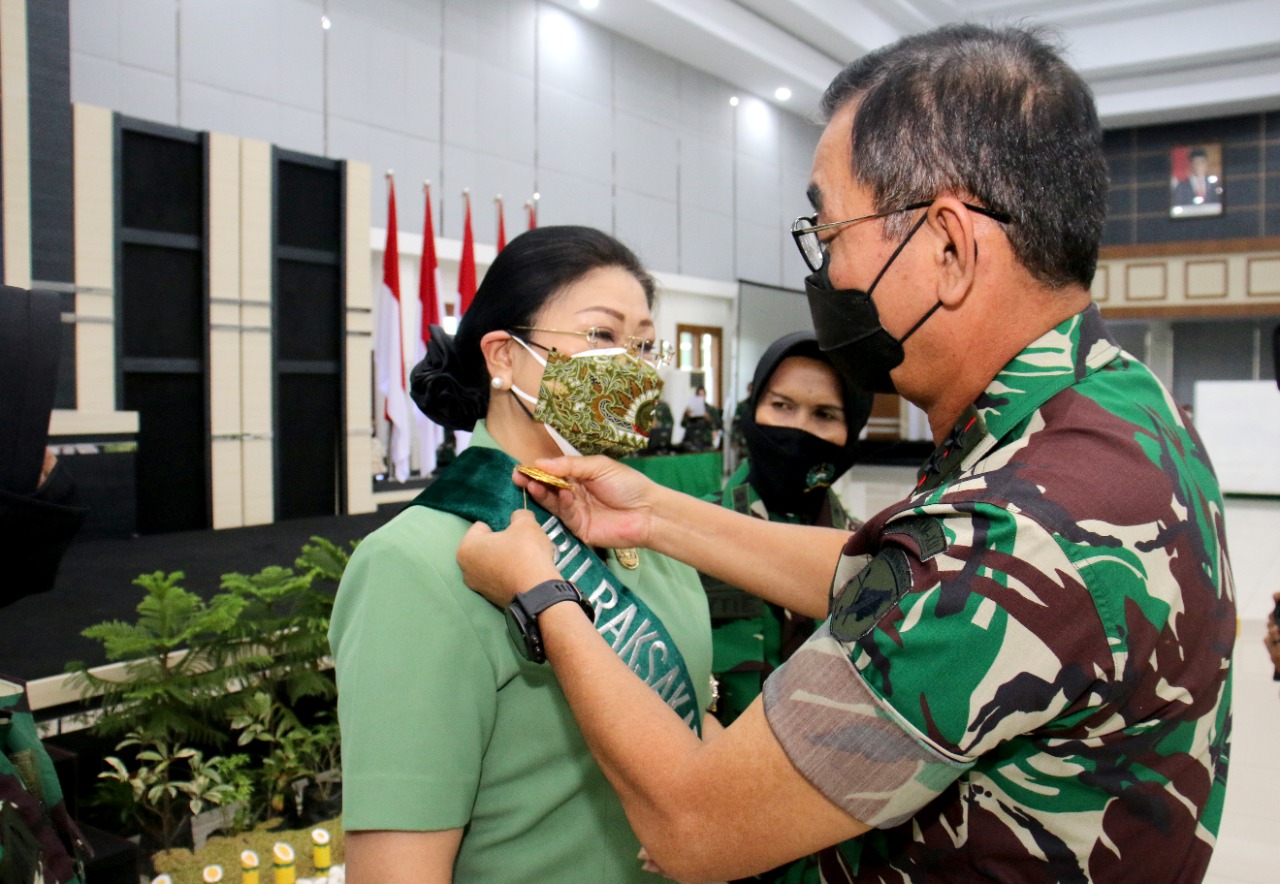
814	249
656	353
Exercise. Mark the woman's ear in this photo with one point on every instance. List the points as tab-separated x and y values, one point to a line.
496	347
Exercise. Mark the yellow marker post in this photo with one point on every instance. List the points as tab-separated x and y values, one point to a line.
320	850
211	874
248	867
283	861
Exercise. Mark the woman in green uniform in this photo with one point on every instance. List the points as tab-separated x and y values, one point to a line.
800	429
461	759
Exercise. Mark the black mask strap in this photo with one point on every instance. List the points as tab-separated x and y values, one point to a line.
525	408
902	245
932	310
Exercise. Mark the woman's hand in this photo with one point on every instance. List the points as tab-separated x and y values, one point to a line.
610	505
500	565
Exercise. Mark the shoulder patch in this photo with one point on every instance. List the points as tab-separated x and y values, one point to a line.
923	532
864	599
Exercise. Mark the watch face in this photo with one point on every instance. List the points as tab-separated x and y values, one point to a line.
516	628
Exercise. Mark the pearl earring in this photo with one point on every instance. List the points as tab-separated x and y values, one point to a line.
496	383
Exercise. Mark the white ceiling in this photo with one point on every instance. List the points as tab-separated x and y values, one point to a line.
1148	61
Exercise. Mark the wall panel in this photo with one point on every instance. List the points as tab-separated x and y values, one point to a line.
256	402
225	330
94	175
359	291
15	145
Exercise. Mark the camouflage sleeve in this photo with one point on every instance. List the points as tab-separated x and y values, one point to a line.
855	748
947	642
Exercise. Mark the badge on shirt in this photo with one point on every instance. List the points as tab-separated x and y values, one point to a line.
866	597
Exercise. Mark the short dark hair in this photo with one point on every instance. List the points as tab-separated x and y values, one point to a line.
1197	152
451	384
993	115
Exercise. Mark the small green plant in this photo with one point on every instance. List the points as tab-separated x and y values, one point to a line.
195	669
169	785
173	688
296	754
283	627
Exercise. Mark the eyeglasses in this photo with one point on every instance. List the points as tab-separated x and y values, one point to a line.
656	353
814	249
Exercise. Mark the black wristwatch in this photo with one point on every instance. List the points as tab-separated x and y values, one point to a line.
522	614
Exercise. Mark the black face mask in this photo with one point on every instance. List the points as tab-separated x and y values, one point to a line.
849	331
791	469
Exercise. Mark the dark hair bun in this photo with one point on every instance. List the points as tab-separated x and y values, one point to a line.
440	387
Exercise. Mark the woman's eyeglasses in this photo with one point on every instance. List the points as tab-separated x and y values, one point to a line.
656	353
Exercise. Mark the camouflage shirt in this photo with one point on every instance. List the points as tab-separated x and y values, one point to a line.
38	840
1025	674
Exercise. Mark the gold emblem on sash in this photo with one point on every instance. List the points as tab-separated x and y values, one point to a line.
628	558
544	477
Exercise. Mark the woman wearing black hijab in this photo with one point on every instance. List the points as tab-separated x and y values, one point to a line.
801	428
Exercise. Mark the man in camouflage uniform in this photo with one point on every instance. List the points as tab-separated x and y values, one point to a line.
1024	674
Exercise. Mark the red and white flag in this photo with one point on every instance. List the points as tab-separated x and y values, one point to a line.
502	225
429	434
531	206
389	348
467	265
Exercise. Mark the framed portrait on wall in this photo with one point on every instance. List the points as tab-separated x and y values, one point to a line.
1195	180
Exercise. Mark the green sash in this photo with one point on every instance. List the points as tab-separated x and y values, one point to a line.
478	487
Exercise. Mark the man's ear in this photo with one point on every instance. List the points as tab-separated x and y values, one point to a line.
496	347
956	248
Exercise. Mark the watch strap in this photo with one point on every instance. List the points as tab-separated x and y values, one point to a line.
550	592
526	606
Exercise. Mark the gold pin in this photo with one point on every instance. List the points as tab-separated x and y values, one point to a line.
628	558
544	477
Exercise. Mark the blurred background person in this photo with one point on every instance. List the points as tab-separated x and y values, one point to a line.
38	518
699	422
800	431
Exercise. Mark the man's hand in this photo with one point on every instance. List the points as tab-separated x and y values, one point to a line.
500	565
610	505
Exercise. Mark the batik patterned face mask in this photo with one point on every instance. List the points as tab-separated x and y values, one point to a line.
598	401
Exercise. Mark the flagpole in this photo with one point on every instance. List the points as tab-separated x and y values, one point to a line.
502	226
429	435
389	346
467	262
531	207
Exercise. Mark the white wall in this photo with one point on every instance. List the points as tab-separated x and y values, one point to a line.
506	97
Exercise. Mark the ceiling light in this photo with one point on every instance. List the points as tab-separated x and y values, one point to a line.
325	23
733	101
588	4
782	93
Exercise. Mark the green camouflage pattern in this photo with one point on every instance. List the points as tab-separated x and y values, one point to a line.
700	432
38	840
603	404
747	650
1026	671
